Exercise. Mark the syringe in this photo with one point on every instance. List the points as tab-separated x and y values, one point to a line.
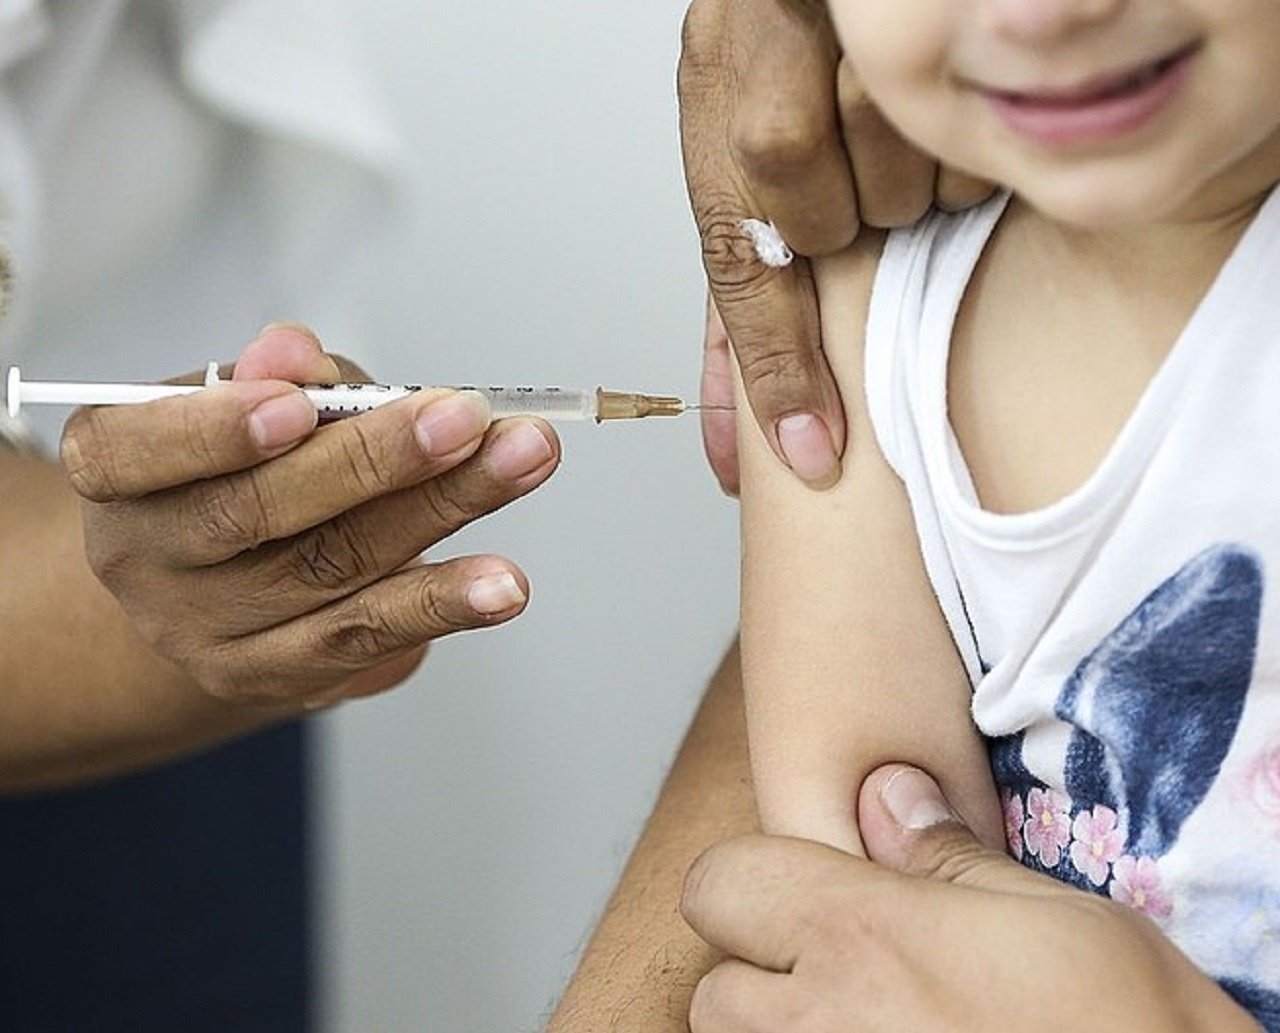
335	401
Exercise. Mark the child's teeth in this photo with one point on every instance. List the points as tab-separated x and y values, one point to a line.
1143	78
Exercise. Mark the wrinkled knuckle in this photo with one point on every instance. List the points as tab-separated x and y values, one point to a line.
948	861
370	473
446	510
360	634
332	557
314	563
86	456
771	367
200	437
777	147
435	614
734	270
230	513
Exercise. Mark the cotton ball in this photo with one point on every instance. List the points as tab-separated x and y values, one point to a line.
770	246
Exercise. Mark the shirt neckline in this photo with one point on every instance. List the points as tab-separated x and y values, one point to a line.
1141	432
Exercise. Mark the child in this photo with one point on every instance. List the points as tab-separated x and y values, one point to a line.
1061	498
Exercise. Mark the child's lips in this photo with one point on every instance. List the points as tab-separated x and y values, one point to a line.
1096	110
1096	87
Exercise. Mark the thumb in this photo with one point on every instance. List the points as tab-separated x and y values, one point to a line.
287	351
907	825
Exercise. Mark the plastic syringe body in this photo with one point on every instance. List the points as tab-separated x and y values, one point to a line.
336	401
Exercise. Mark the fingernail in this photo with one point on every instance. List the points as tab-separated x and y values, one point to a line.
806	444
451	422
282	420
287	324
518	451
915	801
494	594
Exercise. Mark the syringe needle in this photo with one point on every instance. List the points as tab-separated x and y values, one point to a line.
711	408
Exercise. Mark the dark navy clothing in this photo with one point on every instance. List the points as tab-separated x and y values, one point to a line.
173	901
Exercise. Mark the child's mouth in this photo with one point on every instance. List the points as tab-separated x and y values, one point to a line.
1097	111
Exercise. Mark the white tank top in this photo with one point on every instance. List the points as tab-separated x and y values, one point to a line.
1123	646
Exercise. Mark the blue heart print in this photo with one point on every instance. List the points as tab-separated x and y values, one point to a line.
1154	709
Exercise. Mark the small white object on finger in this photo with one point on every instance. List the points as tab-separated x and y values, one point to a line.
770	247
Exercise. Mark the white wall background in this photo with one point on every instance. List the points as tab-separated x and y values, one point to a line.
477	819
473	822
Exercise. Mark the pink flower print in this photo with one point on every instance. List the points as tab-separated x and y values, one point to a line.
1097	844
1136	882
1011	804
1262	780
1048	827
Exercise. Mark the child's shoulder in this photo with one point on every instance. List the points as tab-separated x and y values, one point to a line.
844	283
939	242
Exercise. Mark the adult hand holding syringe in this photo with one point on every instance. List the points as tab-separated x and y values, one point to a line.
270	563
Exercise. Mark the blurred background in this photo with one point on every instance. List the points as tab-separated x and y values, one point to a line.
476	820
522	166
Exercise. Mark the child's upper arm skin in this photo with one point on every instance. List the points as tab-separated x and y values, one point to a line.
847	661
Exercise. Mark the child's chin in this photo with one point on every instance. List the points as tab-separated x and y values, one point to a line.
1100	205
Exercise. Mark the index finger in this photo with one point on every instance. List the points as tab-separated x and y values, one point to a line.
118	452
760	898
771	314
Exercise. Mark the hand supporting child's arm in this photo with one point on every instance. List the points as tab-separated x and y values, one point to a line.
943	935
847	660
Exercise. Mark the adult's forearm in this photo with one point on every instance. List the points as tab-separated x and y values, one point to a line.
82	696
640	969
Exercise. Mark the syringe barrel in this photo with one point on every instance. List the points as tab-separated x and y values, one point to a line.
334	401
552	403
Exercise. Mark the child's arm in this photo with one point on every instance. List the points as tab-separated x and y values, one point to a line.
847	660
